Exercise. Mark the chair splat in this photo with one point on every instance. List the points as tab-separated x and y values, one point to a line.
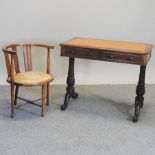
27	57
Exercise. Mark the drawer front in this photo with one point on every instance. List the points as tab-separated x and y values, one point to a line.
105	55
119	57
68	51
78	52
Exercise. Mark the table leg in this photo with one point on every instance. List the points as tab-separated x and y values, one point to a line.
70	91
140	91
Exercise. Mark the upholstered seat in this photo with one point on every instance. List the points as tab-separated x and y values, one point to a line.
32	78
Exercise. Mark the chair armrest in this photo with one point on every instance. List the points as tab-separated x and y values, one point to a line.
8	51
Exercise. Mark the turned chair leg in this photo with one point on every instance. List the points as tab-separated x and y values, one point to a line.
16	94
43	101
12	101
47	100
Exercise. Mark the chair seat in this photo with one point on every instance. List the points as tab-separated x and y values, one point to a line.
32	78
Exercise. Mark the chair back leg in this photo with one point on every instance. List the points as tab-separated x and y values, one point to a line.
12	100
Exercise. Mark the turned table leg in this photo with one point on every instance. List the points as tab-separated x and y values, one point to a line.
70	91
140	91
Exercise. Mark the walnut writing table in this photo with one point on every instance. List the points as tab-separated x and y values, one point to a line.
105	50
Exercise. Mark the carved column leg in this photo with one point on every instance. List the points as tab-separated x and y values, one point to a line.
70	91
140	91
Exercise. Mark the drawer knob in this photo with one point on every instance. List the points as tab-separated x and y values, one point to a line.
91	53
72	52
111	56
131	58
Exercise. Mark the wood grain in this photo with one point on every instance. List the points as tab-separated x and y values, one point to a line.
119	46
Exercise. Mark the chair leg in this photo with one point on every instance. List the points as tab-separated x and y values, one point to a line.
43	101
12	101
16	94
47	100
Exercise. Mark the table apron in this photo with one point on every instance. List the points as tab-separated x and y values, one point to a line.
104	55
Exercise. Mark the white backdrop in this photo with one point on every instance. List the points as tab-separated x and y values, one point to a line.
54	21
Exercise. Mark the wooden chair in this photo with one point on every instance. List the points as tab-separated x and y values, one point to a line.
28	77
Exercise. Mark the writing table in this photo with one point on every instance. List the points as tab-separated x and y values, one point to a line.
106	50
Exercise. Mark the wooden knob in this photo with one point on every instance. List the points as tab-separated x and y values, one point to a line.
131	58
111	56
90	53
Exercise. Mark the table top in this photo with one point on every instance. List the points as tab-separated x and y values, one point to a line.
120	46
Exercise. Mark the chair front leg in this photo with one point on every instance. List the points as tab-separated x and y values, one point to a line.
12	100
47	99
43	101
16	94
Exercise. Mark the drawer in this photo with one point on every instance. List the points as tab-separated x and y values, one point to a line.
89	53
105	55
68	51
125	57
78	52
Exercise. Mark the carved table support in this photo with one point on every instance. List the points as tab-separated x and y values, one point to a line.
140	91
70	91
